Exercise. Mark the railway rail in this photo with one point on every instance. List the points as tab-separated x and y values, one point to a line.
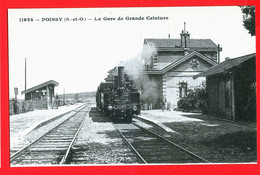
153	148
55	145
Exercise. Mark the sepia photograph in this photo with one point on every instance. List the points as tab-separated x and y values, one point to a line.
132	86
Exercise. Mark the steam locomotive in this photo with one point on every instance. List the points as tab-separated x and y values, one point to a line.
117	98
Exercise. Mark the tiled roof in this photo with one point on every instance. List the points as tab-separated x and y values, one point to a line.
50	82
194	43
165	60
226	65
160	66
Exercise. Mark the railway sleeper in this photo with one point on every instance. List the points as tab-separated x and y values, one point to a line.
42	149
56	140
169	159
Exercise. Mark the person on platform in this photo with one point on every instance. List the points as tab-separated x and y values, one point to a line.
163	102
150	103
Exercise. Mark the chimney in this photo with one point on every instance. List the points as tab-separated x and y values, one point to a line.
185	37
186	51
182	39
121	80
218	53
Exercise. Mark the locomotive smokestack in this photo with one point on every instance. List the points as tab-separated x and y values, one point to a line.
121	80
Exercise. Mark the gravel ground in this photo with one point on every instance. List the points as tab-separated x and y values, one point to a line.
99	142
22	126
215	140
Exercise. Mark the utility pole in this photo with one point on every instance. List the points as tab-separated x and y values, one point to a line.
25	75
185	34
184	27
63	95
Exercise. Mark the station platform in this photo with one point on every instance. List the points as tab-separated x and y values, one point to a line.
22	124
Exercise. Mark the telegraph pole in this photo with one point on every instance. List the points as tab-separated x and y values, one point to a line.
25	75
63	95
185	34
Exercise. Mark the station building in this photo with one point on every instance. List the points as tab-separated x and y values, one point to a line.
231	88
42	95
173	63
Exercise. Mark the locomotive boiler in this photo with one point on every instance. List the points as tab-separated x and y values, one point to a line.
117	98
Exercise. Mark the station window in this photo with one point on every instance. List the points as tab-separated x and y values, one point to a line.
182	89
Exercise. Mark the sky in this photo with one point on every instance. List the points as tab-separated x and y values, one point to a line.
78	53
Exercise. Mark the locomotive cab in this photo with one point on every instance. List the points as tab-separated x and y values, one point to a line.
103	97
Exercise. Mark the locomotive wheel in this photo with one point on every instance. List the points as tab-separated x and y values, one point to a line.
106	113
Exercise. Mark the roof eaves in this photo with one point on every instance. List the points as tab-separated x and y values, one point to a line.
228	63
186	57
40	86
157	72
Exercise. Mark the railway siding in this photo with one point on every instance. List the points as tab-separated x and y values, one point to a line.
52	147
41	129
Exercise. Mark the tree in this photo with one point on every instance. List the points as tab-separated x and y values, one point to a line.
76	97
249	18
196	100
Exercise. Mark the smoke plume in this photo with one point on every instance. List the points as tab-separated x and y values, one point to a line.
137	64
134	68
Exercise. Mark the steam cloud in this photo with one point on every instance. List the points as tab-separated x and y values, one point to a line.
136	65
134	68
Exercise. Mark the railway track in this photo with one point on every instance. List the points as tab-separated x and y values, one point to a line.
153	148
54	146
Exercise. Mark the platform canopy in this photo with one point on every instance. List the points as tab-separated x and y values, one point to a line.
225	66
47	83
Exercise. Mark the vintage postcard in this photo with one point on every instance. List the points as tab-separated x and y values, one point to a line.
132	86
